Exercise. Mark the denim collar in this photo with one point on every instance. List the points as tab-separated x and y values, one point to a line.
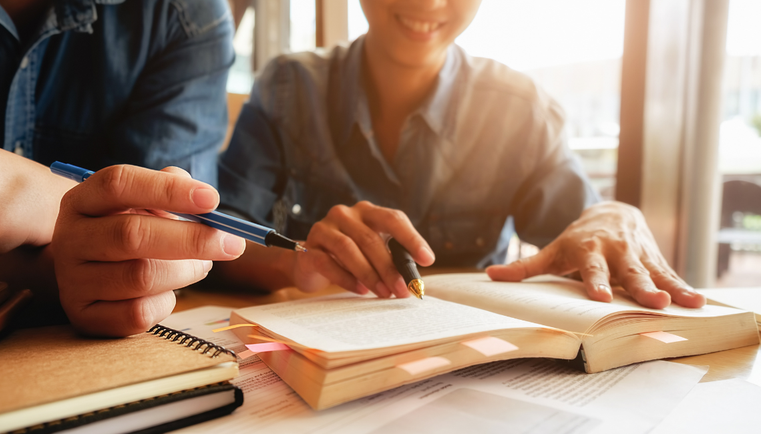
438	110
7	22
77	15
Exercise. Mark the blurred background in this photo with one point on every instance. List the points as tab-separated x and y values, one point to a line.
662	102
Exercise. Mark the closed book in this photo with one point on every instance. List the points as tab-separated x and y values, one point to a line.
51	375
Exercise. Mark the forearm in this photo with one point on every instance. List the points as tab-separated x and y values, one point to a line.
30	196
258	268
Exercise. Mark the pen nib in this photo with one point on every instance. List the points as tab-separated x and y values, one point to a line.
417	288
300	248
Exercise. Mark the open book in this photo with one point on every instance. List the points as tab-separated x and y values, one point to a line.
345	346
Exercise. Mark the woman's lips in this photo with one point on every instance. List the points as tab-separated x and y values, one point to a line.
421	27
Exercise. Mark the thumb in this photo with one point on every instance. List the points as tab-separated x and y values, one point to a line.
541	263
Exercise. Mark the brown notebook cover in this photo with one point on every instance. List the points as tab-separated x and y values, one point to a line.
54	371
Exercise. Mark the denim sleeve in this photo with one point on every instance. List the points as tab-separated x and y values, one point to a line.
177	113
557	191
252	169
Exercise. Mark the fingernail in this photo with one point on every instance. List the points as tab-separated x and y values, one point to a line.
400	288
362	289
205	198
233	245
207	266
605	288
382	290
427	253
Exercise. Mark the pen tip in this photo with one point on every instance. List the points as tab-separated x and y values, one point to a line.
300	248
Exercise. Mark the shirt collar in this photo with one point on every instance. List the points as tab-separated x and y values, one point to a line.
439	110
78	15
7	22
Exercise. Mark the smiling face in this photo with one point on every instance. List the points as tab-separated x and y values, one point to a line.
416	33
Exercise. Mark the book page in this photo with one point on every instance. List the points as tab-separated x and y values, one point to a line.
549	300
348	322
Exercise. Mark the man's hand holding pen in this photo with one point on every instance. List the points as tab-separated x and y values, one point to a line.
347	248
117	259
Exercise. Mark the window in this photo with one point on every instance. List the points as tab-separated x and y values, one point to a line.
739	238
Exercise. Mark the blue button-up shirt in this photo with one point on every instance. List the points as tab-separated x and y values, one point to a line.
484	154
107	81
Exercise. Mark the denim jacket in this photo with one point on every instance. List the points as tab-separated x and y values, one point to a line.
103	82
484	155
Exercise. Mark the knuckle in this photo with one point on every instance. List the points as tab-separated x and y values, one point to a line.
142	276
339	212
593	267
344	244
114	180
368	239
637	270
131	235
590	244
198	241
364	205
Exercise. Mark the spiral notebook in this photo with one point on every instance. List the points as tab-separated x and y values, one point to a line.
50	374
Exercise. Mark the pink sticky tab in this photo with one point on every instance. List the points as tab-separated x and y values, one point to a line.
490	346
246	354
664	337
424	365
267	347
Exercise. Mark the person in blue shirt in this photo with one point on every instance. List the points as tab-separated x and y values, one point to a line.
403	133
98	83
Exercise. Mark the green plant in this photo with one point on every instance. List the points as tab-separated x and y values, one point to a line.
756	122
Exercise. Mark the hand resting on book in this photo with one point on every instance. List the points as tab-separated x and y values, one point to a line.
609	244
117	259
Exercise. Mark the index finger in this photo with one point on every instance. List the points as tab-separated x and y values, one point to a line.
121	187
396	224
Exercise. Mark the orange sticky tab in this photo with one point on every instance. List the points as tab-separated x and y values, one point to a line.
267	347
424	365
235	326
490	346
246	354
664	337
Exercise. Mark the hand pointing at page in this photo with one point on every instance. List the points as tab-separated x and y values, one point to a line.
610	244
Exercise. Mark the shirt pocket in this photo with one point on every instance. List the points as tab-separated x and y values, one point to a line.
307	200
463	239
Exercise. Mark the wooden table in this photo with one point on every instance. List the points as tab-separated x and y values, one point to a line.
743	363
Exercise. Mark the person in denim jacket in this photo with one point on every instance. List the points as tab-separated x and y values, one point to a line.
403	133
98	83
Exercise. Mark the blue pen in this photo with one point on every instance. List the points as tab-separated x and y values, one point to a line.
251	231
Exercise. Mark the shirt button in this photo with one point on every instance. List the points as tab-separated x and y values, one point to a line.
480	242
24	62
296	209
448	245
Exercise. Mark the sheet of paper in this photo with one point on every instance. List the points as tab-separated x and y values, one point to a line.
544	300
498	397
347	322
728	406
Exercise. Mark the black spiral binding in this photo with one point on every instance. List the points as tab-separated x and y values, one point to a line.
189	341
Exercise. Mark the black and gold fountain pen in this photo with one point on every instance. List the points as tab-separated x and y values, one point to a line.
407	268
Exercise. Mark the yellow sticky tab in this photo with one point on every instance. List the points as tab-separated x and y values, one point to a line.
235	326
490	346
424	365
